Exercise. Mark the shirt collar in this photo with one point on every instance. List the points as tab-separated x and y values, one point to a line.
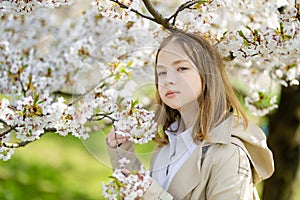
182	140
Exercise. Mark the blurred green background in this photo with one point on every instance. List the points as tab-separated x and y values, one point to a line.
54	167
60	168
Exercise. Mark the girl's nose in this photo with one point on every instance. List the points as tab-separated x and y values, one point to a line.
170	78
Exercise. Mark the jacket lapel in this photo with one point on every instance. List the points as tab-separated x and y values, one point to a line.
187	176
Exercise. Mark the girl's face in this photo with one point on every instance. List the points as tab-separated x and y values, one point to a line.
179	82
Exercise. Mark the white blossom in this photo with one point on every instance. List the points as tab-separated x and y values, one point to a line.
135	123
260	103
6	153
123	162
130	186
24	7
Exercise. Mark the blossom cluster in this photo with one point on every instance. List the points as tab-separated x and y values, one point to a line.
31	117
5	152
136	123
260	103
39	66
127	185
25	66
115	9
24	7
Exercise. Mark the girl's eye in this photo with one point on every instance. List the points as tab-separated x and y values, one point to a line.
162	73
180	69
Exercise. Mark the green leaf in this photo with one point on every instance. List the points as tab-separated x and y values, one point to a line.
25	66
35	98
248	27
134	103
129	63
240	32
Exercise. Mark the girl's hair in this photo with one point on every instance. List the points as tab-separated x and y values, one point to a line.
217	97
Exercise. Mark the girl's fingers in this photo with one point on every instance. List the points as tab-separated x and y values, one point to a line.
122	140
125	171
111	139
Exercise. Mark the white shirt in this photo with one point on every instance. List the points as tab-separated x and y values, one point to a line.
172	156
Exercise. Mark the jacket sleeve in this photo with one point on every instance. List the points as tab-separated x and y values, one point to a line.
230	175
155	191
125	150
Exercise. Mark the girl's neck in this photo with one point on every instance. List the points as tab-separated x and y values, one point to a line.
189	114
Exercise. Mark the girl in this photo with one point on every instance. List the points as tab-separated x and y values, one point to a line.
204	150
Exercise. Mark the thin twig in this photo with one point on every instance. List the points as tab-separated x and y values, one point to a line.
65	94
103	115
133	10
22	86
186	5
97	119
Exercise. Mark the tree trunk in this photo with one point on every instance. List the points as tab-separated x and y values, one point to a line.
285	144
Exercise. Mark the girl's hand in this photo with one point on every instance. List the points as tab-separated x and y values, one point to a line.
111	139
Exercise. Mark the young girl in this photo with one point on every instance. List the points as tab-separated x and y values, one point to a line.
204	152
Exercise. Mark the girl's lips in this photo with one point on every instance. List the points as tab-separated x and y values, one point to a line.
171	93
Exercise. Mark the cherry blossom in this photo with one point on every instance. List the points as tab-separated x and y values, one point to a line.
24	7
61	75
126	185
260	104
135	123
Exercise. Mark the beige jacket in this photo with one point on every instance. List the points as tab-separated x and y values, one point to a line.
233	162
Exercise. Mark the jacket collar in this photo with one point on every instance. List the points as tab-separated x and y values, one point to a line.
253	141
221	133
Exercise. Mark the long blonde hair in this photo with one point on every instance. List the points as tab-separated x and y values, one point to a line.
217	97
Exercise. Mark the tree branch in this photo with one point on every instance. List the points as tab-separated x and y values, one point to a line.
3	122
24	143
16	145
7	131
158	16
